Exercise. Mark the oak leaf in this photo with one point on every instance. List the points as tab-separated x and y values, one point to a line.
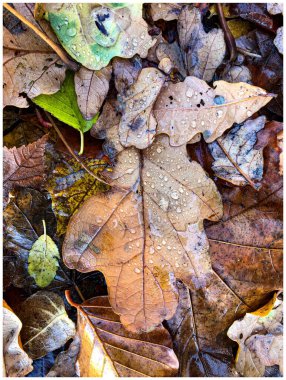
174	54
203	52
108	349
16	362
95	33
260	338
235	158
30	65
167	12
24	166
125	73
46	325
185	109
147	232
138	125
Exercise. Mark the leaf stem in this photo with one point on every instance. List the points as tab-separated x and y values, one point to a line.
230	41
81	143
71	64
71	151
45	229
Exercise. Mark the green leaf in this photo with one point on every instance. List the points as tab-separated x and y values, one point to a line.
63	105
43	260
93	34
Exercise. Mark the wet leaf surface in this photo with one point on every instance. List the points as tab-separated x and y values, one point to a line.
186	109
108	349
94	34
46	325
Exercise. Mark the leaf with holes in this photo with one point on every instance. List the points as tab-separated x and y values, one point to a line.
95	33
184	110
108	349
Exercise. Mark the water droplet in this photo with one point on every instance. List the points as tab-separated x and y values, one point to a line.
159	247
194	124
219	113
177	265
179	210
151	250
248	113
165	179
159	150
152	186
163	242
151	261
181	190
132	231
71	32
175	195
137	270
148	174
169	248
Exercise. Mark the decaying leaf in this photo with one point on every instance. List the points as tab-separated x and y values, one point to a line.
260	338
185	109
16	362
278	40
24	166
46	325
125	73
23	226
203	52
95	33
65	363
174	54
70	185
43	260
236	74
274	8
108	349
236	159
147	234
167	12
91	88
138	125
30	65
280	145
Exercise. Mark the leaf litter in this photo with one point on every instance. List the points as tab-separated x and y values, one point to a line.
176	229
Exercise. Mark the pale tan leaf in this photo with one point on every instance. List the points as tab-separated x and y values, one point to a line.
260	338
185	109
125	73
65	363
174	54
46	325
138	125
236	159
203	52
29	67
91	88
167	12
278	40
17	363
108	349
145	236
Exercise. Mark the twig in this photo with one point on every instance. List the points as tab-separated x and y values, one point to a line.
71	151
71	64
251	183
246	52
230	41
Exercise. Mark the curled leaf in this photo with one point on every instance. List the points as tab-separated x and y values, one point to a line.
185	109
260	339
95	33
46	325
17	363
113	351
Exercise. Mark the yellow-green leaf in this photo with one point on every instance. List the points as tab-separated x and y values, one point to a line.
43	260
